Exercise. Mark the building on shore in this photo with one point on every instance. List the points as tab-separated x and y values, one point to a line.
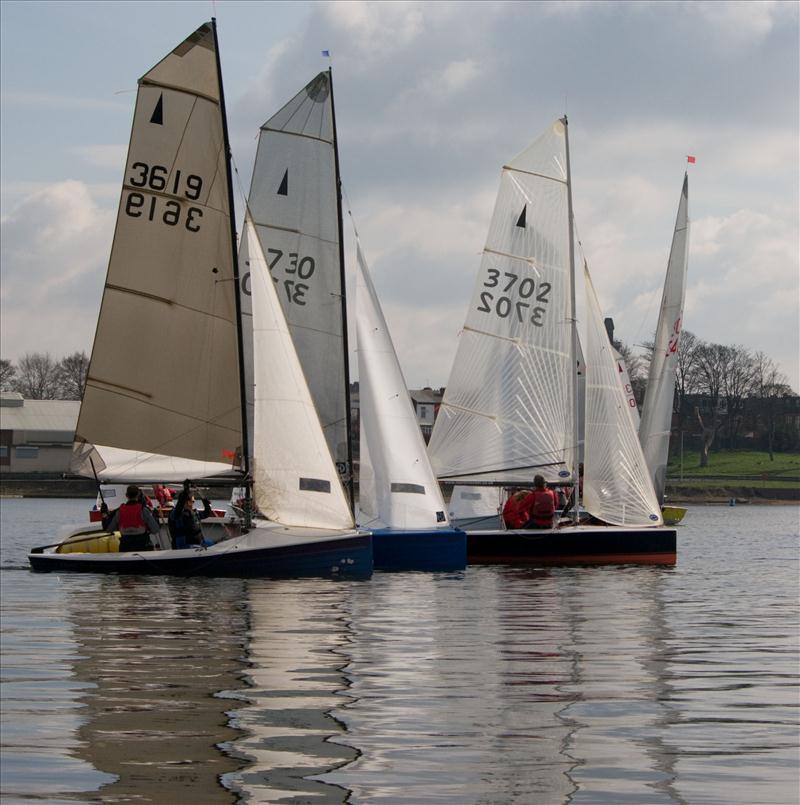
36	435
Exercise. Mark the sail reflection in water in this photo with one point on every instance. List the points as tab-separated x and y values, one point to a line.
544	688
157	651
297	651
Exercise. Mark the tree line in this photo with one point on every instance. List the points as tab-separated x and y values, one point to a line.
38	376
723	392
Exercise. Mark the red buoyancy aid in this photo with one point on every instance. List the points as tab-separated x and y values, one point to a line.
544	506
514	515
131	519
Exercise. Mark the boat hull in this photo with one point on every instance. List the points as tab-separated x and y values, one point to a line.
575	545
432	550
271	554
672	515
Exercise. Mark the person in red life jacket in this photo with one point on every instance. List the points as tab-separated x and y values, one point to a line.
184	521
539	506
134	520
163	494
512	517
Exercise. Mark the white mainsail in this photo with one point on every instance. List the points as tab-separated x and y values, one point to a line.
506	414
397	486
616	484
295	481
654	429
293	201
162	396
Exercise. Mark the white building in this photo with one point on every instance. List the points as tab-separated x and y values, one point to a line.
36	435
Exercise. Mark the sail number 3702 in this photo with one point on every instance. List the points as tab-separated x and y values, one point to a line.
155	207
521	299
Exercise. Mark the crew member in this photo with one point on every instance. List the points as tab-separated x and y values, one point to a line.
133	520
539	506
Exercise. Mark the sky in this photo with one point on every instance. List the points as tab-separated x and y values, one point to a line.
432	98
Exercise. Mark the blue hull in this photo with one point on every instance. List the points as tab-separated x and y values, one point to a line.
394	549
349	558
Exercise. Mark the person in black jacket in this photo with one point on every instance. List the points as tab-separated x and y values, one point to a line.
184	521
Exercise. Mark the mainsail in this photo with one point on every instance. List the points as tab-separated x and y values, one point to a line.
294	203
397	487
295	481
654	429
616	484
506	413
162	397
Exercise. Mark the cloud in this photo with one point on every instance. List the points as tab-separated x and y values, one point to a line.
44	100
102	156
739	20
55	247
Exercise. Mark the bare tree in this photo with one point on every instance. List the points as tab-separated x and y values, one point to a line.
738	383
7	375
770	385
37	377
712	360
71	376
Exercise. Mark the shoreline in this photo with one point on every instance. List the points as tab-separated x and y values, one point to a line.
740	493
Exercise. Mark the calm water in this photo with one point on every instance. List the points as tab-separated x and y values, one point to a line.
496	685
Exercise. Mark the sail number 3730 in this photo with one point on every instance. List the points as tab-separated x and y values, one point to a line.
522	299
155	207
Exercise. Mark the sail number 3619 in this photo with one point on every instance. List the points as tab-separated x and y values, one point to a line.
521	299
169	211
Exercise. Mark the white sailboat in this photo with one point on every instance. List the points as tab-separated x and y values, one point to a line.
655	426
511	406
399	497
295	204
164	397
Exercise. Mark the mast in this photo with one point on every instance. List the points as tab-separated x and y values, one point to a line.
574	341
345	347
236	281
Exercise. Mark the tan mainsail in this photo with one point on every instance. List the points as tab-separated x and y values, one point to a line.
162	397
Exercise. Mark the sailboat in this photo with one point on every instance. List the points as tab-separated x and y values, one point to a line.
400	500
655	426
511	406
164	397
296	207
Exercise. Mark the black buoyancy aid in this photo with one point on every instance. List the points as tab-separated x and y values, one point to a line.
131	519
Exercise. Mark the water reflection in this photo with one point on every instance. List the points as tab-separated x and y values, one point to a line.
646	685
297	650
155	651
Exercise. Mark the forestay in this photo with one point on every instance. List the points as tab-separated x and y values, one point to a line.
294	204
616	483
295	481
397	487
654	429
506	412
163	381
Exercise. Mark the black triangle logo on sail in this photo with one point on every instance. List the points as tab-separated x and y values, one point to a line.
283	190
158	112
521	219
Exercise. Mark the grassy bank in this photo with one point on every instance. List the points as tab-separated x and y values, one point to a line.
751	465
